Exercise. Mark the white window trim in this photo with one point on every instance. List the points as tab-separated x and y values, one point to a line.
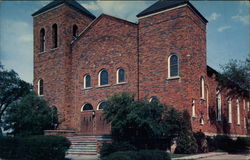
99	105
173	77
219	106
245	123
99	78
238	111
230	110
84	81
202	83
86	110
244	104
207	103
193	108
117	76
38	87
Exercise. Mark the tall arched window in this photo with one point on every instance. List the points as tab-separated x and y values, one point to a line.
218	103
101	105
42	40
120	75
87	107
54	36
87	81
75	31
103	77
202	87
229	110
173	67
40	87
238	111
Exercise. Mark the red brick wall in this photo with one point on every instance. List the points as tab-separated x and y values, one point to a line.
53	65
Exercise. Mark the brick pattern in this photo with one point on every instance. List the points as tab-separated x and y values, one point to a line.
142	50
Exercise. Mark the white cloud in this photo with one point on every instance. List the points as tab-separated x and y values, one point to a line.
223	28
214	16
123	9
243	19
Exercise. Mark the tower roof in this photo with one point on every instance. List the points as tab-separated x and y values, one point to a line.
71	3
166	4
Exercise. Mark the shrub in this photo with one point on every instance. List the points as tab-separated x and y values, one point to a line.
211	144
224	143
34	148
242	144
186	143
109	148
138	155
201	141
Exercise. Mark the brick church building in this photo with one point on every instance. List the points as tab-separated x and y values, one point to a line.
80	60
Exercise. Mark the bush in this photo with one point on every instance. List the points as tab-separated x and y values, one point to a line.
242	144
224	143
201	141
211	144
186	143
34	148
109	148
138	155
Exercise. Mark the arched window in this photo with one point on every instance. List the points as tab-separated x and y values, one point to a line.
238	111
218	104
154	99
101	105
54	36
87	81
103	77
193	108
87	107
75	31
120	75
202	87
173	67
42	40
229	110
40	87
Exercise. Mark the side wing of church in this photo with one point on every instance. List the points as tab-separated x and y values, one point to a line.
80	60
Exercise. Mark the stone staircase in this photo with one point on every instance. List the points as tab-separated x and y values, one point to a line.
85	145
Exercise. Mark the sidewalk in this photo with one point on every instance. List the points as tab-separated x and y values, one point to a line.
203	155
83	157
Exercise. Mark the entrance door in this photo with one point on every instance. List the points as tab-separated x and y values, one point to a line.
87	120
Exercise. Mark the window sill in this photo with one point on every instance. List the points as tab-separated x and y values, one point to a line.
102	86
40	53
121	83
172	78
88	88
52	49
238	124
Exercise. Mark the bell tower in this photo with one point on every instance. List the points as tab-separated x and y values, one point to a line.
56	25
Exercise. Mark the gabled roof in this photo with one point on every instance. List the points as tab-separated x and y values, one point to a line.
167	4
71	3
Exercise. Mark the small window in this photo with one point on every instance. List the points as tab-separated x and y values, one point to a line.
193	108
202	87
54	36
87	81
103	77
120	75
40	87
154	99
238	111
229	110
87	107
173	62
101	105
218	104
75	31
42	40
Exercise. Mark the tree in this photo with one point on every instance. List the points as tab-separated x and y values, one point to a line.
140	122
30	116
236	76
11	89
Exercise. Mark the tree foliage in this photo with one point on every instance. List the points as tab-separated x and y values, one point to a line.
133	120
11	89
30	116
236	75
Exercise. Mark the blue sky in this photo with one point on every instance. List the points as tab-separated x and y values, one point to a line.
228	30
